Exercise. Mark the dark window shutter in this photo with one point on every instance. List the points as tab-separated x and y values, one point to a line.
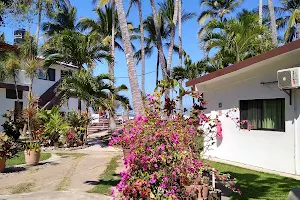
51	74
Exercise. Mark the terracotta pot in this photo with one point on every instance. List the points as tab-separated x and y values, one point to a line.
205	192
32	157
2	164
126	153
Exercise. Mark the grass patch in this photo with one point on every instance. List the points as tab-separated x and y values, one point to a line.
20	159
22	188
108	179
74	155
258	185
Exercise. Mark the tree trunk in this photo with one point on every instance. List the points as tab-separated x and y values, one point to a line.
112	122
136	95
111	69
129	8
142	45
159	42
260	11
157	69
40	9
273	22
172	36
180	46
16	89
297	30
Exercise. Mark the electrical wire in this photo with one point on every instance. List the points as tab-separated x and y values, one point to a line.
137	75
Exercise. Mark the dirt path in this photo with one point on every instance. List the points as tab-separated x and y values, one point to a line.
78	172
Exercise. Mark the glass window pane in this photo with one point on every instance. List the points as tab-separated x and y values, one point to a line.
273	114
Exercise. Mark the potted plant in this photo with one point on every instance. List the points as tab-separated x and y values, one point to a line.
32	153
6	148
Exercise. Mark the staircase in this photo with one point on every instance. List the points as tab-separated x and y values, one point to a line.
102	125
48	99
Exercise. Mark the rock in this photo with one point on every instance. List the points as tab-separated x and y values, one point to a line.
294	194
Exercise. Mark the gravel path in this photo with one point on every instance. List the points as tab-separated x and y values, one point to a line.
59	173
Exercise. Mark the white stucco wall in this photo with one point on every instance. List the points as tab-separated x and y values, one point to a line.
8	104
267	149
72	105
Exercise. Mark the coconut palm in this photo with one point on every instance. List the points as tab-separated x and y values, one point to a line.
273	22
238	39
288	18
63	19
158	40
172	29
136	95
260	7
75	48
217	9
102	27
180	44
139	4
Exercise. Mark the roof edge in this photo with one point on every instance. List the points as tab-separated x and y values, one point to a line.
246	63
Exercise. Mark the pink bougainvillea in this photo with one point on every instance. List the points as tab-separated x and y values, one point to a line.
165	153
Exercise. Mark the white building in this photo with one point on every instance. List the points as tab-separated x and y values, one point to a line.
44	87
251	85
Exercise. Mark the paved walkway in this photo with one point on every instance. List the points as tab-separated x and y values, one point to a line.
60	173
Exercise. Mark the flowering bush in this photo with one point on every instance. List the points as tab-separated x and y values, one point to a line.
164	157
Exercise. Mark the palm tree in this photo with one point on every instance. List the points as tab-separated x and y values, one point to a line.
48	7
159	41
113	102
63	19
172	24
102	27
12	67
136	95
260	6
217	9
180	45
75	48
190	70
139	4
83	85
273	22
238	39
289	18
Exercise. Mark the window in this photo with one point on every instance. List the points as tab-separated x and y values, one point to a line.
263	114
65	73
11	94
49	75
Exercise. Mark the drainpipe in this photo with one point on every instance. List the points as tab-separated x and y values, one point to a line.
296	145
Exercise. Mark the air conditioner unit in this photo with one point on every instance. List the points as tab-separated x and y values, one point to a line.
288	78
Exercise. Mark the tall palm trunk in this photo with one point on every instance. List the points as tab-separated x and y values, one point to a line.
273	22
297	30
157	69
159	42
142	44
111	69
16	88
40	9
260	11
172	36
136	95
180	46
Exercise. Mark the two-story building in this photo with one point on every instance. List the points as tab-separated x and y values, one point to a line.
44	87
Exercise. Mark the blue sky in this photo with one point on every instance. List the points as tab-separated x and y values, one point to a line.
190	41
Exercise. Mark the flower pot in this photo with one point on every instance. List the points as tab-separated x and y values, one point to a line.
2	164
126	153
32	157
204	192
